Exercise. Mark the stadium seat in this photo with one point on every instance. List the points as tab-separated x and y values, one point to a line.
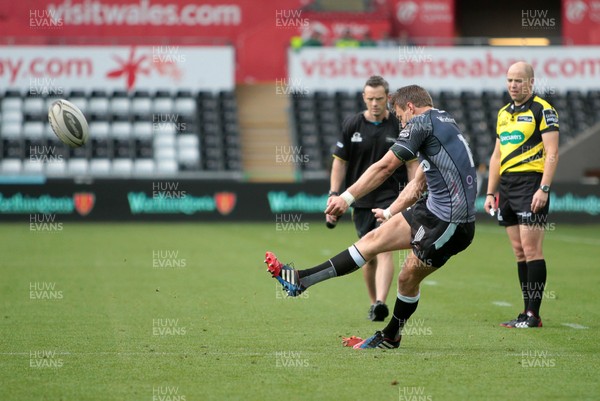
56	169
122	167
189	158
77	167
165	153
100	167
143	167
80	102
12	141
120	106
141	107
12	104
185	107
35	107
166	166
162	105
12	116
32	167
98	106
11	166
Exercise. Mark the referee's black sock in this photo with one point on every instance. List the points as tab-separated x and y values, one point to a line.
522	270
536	281
403	309
341	264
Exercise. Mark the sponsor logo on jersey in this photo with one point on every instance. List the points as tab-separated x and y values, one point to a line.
550	117
405	133
356	137
446	119
525	119
339	144
514	137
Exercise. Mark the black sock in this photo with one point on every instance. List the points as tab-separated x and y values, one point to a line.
403	309
536	281
522	270
341	264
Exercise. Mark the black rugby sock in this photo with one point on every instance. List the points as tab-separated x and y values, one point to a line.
341	264
536	282
403	309
522	271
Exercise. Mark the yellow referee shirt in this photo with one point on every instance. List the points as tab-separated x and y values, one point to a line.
520	130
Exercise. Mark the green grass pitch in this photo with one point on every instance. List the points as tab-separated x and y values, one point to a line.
187	312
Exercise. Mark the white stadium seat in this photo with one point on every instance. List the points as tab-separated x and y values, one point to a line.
56	169
143	167
99	167
77	166
122	167
166	166
11	166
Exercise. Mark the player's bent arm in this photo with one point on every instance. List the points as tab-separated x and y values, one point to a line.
411	192
411	168
493	178
409	195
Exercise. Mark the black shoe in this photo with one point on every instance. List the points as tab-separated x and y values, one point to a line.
380	311
530	322
512	323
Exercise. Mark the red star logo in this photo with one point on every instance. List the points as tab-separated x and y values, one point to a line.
129	68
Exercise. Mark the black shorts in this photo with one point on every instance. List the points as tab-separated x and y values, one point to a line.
433	240
514	204
364	221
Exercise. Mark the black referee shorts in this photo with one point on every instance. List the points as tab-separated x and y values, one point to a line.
514	204
364	221
433	240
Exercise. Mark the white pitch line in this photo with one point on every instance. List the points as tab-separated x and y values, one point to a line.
575	326
502	303
430	282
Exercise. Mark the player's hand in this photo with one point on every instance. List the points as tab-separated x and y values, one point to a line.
490	203
331	221
378	214
336	206
540	198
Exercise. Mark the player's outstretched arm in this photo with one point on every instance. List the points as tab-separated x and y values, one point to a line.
373	177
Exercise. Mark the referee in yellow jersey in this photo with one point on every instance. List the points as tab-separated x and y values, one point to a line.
522	166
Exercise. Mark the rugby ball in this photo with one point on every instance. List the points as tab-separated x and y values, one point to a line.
68	123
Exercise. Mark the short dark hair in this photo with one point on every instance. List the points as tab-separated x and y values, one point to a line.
414	94
375	80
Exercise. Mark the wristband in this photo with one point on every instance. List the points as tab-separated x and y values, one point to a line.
333	193
494	196
347	196
387	214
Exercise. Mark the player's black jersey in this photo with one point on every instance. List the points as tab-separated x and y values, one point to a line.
363	143
447	161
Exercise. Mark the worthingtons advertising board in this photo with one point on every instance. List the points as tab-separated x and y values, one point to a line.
55	69
224	201
442	68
